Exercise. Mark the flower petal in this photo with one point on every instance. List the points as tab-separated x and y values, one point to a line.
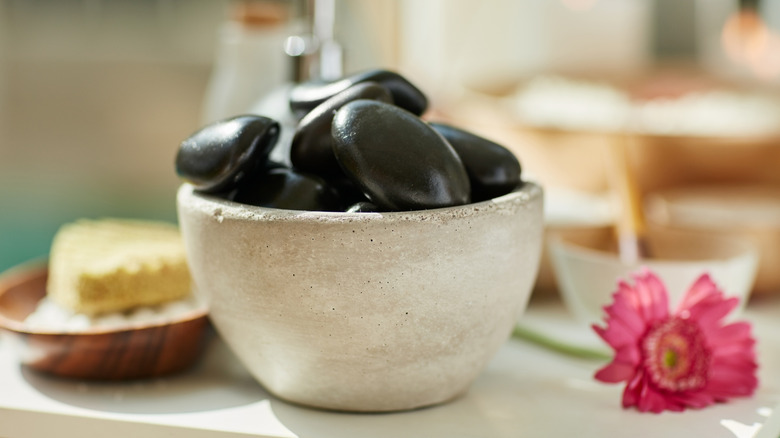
652	299
693	399
705	303
700	290
735	351
738	332
710	313
651	400
616	372
726	385
632	390
623	311
616	334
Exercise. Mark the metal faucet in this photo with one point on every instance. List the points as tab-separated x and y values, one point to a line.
316	54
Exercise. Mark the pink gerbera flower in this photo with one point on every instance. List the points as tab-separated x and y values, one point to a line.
688	359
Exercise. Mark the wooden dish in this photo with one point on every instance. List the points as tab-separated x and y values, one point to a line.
139	350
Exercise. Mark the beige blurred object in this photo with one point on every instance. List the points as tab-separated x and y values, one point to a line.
546	283
250	58
450	44
555	157
683	129
588	268
572	155
747	211
668	161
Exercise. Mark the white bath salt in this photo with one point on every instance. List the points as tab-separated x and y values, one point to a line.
48	316
51	317
109	320
178	307
557	102
715	113
144	314
572	104
78	322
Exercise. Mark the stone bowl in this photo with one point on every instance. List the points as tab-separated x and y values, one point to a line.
364	311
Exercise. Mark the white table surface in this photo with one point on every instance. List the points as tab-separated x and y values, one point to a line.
525	391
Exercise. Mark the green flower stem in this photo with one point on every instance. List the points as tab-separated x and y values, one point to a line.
535	337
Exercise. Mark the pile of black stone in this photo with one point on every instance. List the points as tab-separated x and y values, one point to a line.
359	146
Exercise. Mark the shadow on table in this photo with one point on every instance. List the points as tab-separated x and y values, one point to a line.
477	413
218	381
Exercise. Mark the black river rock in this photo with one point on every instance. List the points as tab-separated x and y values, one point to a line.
398	161
312	146
285	188
306	96
218	156
493	170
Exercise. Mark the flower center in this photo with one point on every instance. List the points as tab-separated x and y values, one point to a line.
676	356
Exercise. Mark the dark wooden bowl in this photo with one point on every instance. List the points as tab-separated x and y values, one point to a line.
132	352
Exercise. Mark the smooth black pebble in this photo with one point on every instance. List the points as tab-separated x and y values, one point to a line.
312	146
218	156
493	170
306	96
348	190
398	161
287	189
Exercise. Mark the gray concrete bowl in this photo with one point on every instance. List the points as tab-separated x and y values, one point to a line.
364	311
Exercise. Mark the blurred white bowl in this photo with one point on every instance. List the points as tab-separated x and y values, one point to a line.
746	211
587	271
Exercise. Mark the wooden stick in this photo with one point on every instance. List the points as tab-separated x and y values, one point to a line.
630	226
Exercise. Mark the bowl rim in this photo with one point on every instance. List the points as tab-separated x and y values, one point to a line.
26	271
526	193
740	249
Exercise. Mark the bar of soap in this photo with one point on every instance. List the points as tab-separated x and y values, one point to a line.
110	265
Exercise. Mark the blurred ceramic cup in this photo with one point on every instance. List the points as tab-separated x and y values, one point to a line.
749	212
579	215
364	311
588	269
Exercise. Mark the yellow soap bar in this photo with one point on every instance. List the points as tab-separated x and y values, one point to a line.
111	265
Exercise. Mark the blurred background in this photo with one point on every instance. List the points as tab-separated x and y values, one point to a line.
95	96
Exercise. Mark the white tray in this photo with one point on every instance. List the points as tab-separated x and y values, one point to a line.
525	391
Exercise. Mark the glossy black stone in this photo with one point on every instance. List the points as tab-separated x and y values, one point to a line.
363	207
398	161
312	146
306	96
493	170
349	192
287	189
218	156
